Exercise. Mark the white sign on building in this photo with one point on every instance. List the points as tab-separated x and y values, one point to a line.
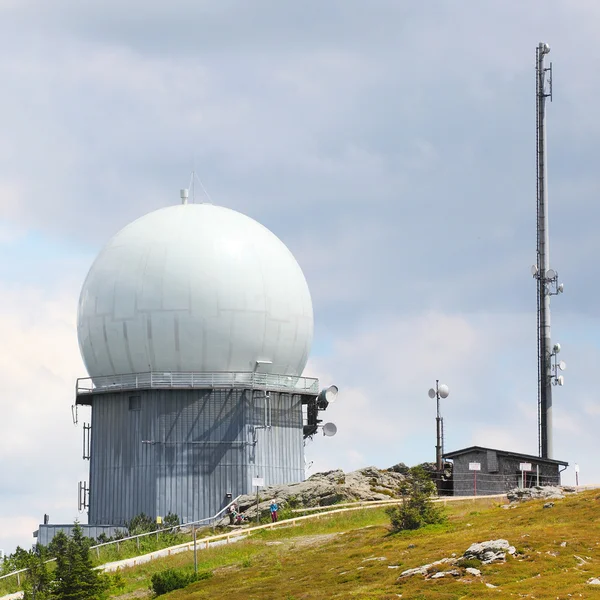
474	466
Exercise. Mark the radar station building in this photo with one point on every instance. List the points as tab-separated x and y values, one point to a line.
485	471
195	324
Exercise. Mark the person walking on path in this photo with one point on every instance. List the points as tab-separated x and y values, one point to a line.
273	508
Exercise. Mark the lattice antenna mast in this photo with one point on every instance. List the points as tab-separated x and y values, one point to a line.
547	278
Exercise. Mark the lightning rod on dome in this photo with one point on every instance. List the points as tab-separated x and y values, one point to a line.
193	178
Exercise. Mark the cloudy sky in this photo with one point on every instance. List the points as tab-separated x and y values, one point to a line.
389	144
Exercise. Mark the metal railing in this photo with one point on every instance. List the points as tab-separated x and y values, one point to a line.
137	537
194	380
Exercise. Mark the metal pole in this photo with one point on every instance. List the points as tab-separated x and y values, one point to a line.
543	263
257	513
195	551
438	425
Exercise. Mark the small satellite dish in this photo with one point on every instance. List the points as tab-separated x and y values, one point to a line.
443	391
560	379
556	348
534	270
562	365
550	274
561	288
329	429
331	393
431	393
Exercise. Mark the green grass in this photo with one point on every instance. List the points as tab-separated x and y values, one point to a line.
331	557
347	555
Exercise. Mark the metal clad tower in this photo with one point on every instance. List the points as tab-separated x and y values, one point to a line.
195	324
547	278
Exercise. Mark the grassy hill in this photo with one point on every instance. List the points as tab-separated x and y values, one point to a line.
354	555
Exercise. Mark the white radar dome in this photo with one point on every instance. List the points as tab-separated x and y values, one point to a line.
195	287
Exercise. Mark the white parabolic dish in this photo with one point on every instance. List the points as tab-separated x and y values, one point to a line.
195	287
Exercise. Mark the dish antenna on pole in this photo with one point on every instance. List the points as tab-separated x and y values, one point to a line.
439	391
329	429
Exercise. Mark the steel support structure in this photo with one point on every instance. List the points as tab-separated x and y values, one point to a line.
543	91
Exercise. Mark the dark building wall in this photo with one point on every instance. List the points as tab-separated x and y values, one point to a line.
499	473
182	451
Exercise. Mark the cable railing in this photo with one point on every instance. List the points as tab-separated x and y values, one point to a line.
195	380
137	537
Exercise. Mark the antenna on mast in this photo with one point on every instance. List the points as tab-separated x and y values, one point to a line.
547	278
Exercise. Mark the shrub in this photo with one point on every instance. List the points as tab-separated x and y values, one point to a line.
175	579
293	501
171	520
103	539
141	523
417	509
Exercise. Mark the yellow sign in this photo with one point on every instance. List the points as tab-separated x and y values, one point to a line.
159	520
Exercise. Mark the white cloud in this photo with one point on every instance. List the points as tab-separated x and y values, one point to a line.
39	362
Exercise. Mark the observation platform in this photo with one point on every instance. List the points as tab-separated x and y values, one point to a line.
87	387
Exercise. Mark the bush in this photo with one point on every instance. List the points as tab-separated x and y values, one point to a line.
171	520
417	509
175	579
141	523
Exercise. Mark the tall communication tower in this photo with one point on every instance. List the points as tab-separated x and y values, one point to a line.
547	278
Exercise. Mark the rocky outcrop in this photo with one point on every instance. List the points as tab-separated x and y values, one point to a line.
491	551
324	489
538	492
485	552
430	569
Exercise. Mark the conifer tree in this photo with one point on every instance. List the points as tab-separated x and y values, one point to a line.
37	579
75	578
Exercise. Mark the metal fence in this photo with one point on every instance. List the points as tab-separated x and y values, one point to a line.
183	379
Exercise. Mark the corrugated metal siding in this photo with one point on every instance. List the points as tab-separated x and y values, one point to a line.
202	449
46	533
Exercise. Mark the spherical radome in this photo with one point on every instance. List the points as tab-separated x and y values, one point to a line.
195	287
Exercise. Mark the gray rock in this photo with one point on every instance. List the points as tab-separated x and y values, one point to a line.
594	581
424	570
546	492
440	574
491	585
472	571
549	505
411	572
325	489
490	551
